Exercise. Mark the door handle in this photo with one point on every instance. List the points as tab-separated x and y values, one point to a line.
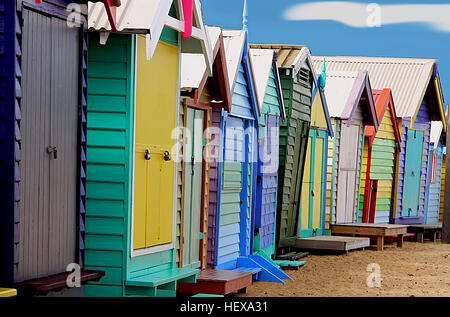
312	193
413	174
54	150
167	156
147	155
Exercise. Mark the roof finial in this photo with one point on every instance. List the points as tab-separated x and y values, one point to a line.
245	17
323	77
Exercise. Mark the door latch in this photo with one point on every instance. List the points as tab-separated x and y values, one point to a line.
147	155
167	156
54	150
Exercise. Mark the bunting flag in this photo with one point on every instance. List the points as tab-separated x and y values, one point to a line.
188	12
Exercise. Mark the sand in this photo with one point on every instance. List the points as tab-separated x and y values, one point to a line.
417	269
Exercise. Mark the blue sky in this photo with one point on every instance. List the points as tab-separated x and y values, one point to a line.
266	25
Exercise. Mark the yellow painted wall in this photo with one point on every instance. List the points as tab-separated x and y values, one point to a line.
318	118
156	111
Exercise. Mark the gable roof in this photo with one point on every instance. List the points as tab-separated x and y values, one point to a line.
408	78
343	92
383	99
236	52
194	73
290	56
325	110
150	17
263	61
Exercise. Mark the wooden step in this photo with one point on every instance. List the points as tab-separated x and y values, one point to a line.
291	256
254	270
220	282
161	277
55	282
332	243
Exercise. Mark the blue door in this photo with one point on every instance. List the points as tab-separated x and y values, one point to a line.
413	167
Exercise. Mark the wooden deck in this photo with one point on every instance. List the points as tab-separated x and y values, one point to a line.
332	243
428	229
219	282
372	230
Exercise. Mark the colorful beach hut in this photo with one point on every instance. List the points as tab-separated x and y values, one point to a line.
381	148
313	195
236	156
351	106
131	203
271	106
416	107
297	76
42	143
200	93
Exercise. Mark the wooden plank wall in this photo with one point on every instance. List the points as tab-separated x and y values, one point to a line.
382	164
297	94
108	204
422	122
180	189
216	116
332	174
434	189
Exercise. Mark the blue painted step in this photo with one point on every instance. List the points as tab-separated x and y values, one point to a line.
266	270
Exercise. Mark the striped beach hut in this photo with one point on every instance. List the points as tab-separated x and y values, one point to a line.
297	76
235	155
417	92
131	203
270	102
200	94
380	151
43	104
351	106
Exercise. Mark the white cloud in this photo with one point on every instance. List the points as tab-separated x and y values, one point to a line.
362	15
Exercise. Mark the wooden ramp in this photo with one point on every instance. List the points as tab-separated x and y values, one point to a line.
219	282
428	229
377	230
332	243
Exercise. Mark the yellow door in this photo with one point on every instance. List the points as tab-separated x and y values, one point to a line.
156	104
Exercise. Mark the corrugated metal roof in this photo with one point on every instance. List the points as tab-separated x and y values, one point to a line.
132	15
193	66
406	77
261	60
287	54
337	91
233	41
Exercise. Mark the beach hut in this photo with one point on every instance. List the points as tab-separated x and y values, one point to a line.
380	151
271	106
131	203
297	76
236	159
313	194
435	173
416	107
351	107
42	143
200	93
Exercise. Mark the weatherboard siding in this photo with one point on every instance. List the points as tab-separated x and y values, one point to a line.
216	116
434	189
109	158
297	95
422	122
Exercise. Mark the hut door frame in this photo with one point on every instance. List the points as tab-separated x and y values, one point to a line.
342	216
193	173
311	183
412	158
